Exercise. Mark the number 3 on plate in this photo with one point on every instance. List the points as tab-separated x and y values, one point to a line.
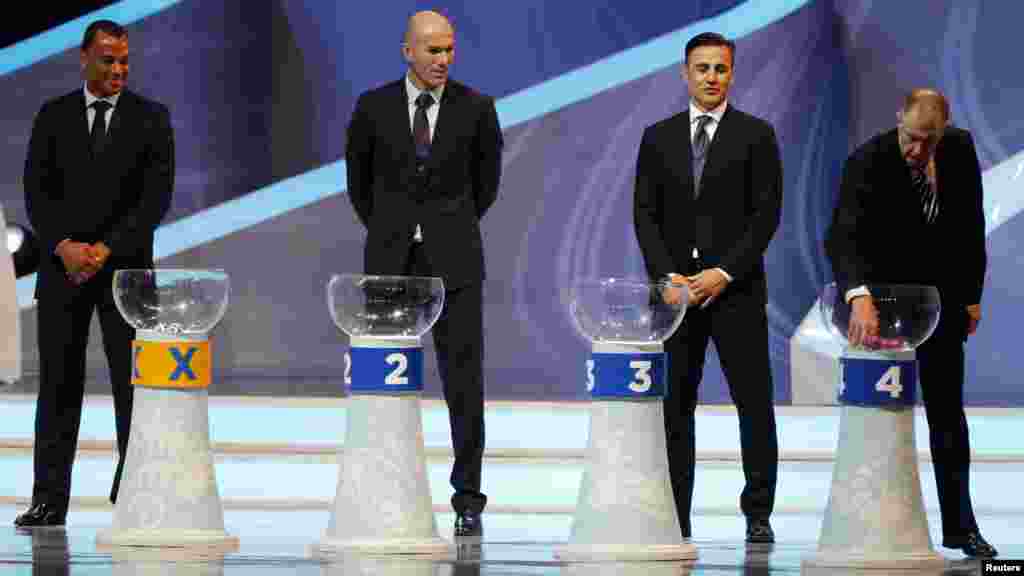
643	376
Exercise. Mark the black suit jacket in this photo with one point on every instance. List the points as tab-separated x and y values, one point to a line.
878	232
447	199
118	198
737	212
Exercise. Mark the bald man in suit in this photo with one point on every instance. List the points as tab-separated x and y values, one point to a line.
910	212
424	164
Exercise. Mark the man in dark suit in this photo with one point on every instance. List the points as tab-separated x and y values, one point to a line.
707	202
98	180
424	162
910	212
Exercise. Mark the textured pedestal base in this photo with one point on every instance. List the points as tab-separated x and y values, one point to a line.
626	510
875	516
168	494
825	560
435	546
625	553
219	539
383	500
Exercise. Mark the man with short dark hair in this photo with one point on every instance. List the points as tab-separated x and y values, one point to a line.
98	180
707	202
910	212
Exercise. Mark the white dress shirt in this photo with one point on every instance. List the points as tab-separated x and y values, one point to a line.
716	117
710	128
90	116
413	92
90	113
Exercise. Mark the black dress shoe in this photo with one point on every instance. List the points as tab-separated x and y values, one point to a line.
976	547
759	531
468	524
41	515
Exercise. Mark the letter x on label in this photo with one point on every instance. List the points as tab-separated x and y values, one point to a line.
183	364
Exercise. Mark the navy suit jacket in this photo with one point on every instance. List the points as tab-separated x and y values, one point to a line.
732	221
879	234
118	198
455	188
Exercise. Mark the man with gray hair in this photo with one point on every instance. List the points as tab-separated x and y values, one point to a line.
910	212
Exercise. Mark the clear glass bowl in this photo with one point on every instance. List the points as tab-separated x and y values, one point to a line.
172	301
907	316
365	306
627	311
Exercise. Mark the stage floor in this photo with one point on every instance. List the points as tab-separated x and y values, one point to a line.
281	542
277	485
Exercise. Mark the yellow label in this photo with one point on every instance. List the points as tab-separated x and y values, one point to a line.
172	364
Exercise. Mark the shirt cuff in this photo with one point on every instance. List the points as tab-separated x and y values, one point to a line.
855	292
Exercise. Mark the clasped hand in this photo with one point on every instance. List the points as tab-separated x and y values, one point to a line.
82	261
704	287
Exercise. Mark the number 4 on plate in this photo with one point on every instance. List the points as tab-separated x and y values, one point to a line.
890	382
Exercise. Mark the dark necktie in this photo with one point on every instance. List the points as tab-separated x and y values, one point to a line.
98	135
925	191
420	125
700	150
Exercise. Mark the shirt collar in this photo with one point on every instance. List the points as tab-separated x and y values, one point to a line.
717	113
413	91
90	98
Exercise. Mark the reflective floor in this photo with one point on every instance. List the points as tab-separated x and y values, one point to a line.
281	542
277	484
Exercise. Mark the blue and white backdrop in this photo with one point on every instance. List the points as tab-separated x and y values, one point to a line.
260	98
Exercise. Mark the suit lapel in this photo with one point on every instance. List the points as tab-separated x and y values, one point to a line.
718	145
403	125
679	144
446	118
76	114
684	131
115	132
902	198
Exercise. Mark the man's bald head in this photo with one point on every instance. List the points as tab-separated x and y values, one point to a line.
429	49
426	22
928	107
922	121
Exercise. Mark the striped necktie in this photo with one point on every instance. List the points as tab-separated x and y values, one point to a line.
926	192
700	150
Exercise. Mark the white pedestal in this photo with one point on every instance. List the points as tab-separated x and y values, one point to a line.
383	502
383	499
626	510
356	564
662	568
168	494
875	517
